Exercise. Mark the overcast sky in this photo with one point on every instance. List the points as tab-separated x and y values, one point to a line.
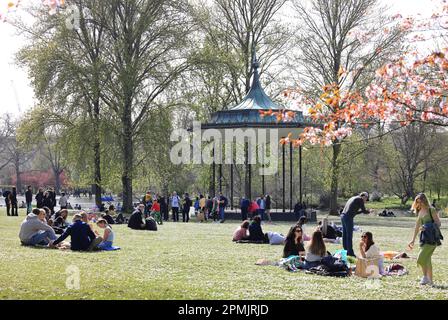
16	95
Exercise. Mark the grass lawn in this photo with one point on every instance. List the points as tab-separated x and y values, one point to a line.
199	261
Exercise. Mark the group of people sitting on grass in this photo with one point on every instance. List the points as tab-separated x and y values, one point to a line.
315	252
39	230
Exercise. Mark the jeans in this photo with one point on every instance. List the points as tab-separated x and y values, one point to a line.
41	238
221	213
347	234
261	214
29	207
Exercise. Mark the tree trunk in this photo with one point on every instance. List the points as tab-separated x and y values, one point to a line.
18	181
97	155
334	180
128	160
57	181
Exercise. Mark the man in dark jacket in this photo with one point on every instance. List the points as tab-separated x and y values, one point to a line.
7	195
245	203
163	208
186	208
40	199
14	205
137	221
354	206
29	200
82	236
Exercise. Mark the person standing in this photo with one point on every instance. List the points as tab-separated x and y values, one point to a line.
163	208
7	196
14	205
40	199
427	218
355	205
186	208
261	207
208	207
63	201
268	208
245	203
222	206
29	200
175	201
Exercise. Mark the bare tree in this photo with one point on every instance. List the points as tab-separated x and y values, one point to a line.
342	42
416	146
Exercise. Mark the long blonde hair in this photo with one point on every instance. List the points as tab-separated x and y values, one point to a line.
420	202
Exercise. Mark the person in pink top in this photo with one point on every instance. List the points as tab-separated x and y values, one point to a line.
241	233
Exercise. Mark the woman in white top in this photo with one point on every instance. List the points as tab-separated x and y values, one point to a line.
369	250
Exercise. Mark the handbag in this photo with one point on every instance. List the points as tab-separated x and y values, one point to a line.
431	233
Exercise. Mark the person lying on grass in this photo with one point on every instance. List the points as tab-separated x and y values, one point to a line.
108	236
242	232
294	243
34	230
82	236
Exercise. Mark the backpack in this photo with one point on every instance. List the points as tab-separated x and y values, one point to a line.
151	224
431	233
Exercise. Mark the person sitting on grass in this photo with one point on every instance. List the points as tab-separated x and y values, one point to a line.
315	251
34	230
369	250
301	223
328	232
241	233
137	221
255	231
108	237
294	243
61	220
82	236
108	217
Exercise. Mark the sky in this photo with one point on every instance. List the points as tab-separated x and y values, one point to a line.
16	93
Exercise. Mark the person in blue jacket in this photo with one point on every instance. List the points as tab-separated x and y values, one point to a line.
245	203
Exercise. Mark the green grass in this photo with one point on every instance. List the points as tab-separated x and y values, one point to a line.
199	261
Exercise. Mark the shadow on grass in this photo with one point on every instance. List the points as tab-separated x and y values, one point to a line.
440	287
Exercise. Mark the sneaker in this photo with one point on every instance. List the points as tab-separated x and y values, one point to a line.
424	281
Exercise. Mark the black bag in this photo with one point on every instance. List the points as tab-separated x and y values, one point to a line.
431	234
151	224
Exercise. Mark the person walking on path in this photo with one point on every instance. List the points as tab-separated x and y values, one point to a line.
29	200
7	196
427	217
14	205
355	205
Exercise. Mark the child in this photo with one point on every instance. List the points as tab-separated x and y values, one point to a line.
108	236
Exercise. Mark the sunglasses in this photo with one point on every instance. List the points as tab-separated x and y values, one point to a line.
297	230
363	237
